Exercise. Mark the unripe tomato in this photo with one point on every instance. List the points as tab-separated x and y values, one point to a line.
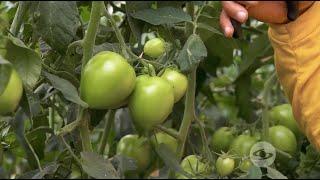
282	115
283	139
193	166
154	47
242	144
136	148
225	165
179	82
169	141
107	81
151	102
10	98
245	165
222	139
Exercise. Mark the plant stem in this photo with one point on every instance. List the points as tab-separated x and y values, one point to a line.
106	131
85	132
168	131
118	33
70	150
88	43
265	100
188	112
18	18
34	154
90	36
190	10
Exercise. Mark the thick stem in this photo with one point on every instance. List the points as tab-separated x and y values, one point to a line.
169	132
18	18
88	43
85	132
266	95
106	131
90	36
188	112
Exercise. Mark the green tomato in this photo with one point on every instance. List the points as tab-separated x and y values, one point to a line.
245	165
136	148
169	141
154	47
10	98
222	139
151	102
242	144
225	165
193	166
283	139
282	115
107	81
179	82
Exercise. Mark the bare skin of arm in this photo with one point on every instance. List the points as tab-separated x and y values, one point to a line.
274	12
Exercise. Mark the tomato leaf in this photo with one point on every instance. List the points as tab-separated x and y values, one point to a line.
192	53
125	163
97	167
57	22
170	159
254	173
209	28
66	88
166	15
26	61
275	174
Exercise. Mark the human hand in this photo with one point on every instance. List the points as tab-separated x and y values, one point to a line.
274	12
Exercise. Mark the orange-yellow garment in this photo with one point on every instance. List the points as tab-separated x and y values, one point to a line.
297	61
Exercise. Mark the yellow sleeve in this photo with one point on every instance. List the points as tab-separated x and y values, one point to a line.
297	61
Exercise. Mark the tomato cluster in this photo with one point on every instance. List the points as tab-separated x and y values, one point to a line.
110	82
236	149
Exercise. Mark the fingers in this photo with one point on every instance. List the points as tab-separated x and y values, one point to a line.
248	3
235	11
226	25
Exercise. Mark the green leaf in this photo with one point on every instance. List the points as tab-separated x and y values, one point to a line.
254	173
136	25
125	163
5	73
97	167
166	15
49	169
66	88
275	174
192	53
209	28
170	159
26	61
57	22
258	48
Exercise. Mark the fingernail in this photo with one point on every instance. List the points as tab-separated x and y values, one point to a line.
227	31
241	16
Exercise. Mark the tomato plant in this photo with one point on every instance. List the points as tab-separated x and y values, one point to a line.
225	165
10	97
222	139
242	144
105	75
154	47
136	148
91	89
193	165
282	115
283	139
151	102
179	82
